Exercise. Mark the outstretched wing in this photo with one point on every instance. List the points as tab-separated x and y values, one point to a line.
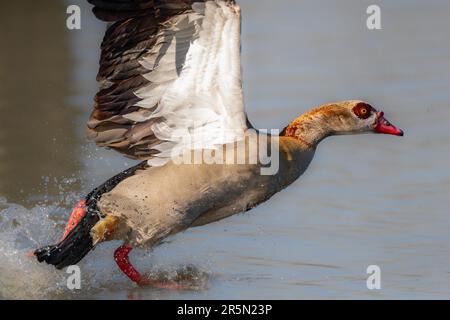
170	77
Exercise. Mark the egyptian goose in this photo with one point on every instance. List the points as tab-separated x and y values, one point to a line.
170	85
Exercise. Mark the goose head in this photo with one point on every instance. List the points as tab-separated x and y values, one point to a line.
346	117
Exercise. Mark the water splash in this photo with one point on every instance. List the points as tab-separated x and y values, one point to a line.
21	277
22	230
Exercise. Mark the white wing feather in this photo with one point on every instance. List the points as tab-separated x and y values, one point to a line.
200	106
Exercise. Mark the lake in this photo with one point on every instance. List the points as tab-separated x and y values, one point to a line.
365	200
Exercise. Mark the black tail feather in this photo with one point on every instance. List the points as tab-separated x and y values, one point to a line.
74	247
78	242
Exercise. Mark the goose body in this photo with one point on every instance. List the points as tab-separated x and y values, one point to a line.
170	90
160	201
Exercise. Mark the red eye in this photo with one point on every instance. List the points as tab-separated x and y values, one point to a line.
363	110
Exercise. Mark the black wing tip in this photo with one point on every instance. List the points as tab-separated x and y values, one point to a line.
115	10
79	242
49	255
43	253
64	254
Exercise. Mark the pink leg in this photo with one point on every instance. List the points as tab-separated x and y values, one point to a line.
77	214
123	261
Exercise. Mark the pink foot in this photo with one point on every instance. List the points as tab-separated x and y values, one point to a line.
122	260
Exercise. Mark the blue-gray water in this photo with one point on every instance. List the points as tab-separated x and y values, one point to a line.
365	200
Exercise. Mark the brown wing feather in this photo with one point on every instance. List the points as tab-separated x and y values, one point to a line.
137	25
114	10
141	30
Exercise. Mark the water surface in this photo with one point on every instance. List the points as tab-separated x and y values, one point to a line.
365	200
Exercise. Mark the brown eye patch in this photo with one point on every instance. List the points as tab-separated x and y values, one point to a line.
363	110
